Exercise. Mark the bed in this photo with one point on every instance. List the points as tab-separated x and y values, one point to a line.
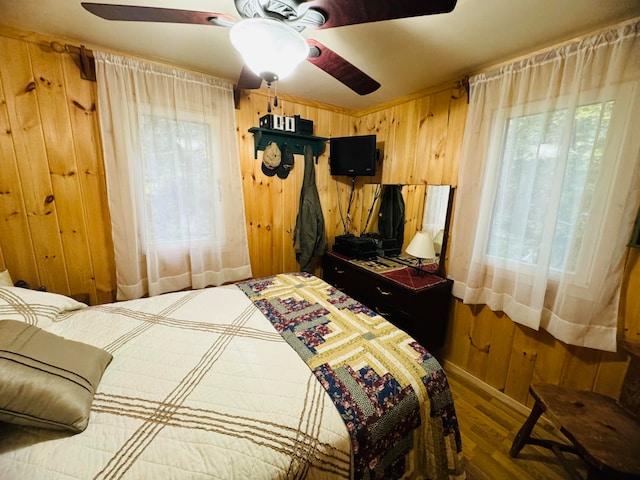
271	378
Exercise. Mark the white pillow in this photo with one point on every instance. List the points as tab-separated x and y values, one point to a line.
5	279
34	307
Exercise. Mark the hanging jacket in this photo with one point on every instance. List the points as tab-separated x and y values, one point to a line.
309	235
391	215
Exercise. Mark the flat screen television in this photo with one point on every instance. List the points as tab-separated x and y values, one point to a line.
353	156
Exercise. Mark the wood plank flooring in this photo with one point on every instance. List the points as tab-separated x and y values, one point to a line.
488	427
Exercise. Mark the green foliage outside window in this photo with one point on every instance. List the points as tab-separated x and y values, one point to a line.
535	179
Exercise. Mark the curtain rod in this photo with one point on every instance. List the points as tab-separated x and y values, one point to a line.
82	56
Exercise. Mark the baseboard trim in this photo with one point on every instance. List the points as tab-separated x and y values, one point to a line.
485	387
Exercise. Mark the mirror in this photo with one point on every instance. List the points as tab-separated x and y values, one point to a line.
427	207
436	207
437	215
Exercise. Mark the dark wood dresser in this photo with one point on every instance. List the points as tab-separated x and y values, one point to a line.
418	304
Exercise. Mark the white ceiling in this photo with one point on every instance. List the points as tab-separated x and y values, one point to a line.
405	55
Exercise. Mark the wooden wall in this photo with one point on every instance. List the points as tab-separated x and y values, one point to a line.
54	219
271	203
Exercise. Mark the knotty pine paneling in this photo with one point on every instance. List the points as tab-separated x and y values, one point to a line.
54	217
509	357
271	203
420	138
630	301
54	231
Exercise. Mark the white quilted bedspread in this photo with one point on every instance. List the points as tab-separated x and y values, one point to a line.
200	386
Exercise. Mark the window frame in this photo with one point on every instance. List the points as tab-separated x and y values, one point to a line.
505	267
214	151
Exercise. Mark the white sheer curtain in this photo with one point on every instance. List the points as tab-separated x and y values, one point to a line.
436	207
549	187
173	177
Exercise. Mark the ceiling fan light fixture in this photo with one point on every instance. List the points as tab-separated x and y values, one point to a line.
269	47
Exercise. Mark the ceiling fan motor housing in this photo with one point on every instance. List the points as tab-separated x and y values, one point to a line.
294	13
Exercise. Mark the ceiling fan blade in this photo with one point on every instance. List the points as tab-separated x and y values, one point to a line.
351	12
134	13
247	81
341	69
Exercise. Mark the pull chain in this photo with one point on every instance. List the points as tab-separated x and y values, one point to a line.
275	90
269	97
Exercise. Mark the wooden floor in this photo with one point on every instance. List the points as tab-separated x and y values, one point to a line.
488	426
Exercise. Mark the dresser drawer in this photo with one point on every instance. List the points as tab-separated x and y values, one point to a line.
350	280
337	273
422	314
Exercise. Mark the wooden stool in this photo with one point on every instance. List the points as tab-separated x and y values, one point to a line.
604	431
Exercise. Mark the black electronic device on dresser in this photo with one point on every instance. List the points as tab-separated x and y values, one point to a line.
360	248
421	311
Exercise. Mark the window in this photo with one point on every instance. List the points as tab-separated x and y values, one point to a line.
180	181
528	189
173	177
548	187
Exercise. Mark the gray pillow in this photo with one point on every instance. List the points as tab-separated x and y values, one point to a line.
46	380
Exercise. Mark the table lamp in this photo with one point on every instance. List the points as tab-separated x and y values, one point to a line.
421	247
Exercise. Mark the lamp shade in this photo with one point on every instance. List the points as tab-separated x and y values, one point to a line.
268	47
421	245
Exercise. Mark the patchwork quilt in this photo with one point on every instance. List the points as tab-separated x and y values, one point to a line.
391	393
201	385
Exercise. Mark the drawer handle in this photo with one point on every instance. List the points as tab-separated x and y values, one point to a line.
383	292
338	271
380	312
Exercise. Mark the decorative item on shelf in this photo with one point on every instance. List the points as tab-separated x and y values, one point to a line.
274	122
421	247
295	141
267	121
290	124
293	124
302	125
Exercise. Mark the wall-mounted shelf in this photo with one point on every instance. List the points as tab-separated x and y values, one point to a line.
296	141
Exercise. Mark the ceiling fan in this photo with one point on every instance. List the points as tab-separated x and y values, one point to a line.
296	15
